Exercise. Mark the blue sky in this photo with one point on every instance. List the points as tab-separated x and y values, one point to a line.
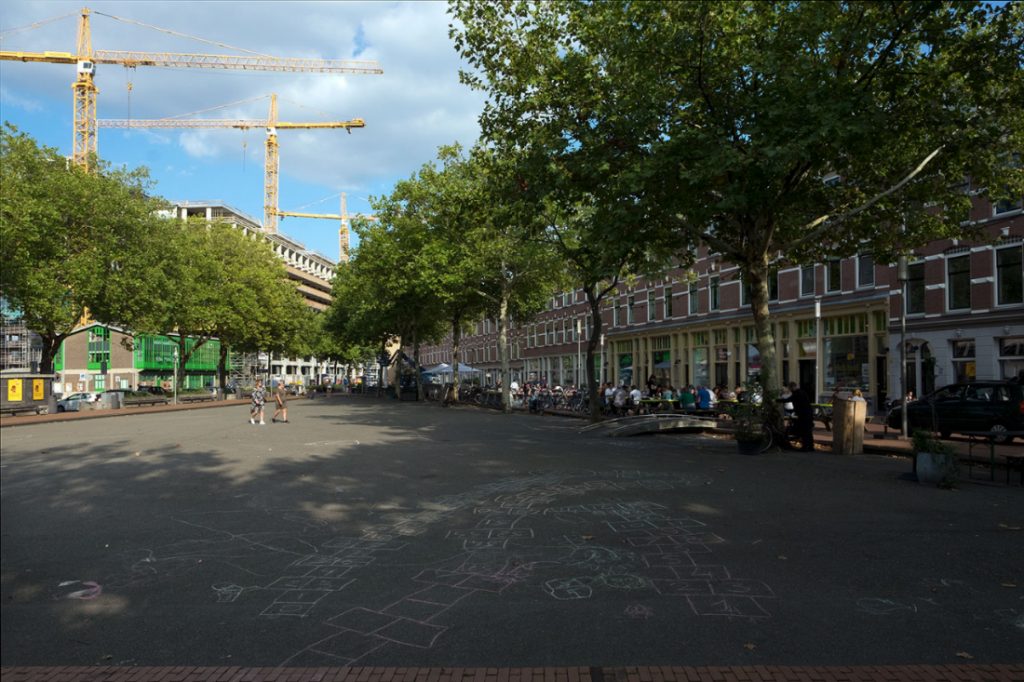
414	107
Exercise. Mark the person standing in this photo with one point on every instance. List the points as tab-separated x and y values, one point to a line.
804	413
259	397
280	403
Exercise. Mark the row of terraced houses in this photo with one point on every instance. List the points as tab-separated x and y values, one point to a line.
836	324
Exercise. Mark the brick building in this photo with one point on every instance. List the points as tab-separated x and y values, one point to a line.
965	319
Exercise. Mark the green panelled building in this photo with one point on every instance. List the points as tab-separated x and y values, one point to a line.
98	357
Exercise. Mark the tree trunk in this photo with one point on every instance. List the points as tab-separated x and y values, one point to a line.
416	368
222	369
592	342
383	363
506	378
456	340
758	277
51	344
179	373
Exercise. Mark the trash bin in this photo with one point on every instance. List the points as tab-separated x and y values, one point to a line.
848	418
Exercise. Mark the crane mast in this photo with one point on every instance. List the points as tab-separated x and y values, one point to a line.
84	144
272	160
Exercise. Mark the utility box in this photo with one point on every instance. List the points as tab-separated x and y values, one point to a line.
848	417
25	392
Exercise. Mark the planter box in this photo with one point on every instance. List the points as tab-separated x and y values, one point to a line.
935	468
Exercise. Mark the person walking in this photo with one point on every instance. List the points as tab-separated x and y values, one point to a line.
280	403
259	397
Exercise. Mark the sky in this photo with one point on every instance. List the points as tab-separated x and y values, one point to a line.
416	106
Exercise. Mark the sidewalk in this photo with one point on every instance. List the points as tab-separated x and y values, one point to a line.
877	439
759	673
25	420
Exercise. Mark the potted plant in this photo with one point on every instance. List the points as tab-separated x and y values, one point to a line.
748	428
934	461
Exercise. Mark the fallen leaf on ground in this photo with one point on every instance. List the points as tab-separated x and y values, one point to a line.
964	654
1008	584
588	537
749	646
1008	527
783	557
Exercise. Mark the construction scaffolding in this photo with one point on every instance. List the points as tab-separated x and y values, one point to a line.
19	347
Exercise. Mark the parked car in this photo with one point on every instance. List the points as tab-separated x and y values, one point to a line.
154	390
74	402
994	406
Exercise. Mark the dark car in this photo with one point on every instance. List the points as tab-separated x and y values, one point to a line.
153	390
993	406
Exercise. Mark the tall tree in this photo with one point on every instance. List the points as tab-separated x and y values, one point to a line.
814	129
258	307
522	271
71	241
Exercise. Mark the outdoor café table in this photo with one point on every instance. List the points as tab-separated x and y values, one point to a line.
650	405
981	437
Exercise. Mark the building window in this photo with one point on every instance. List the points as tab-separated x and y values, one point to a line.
615	315
650	305
833	276
630	304
99	347
963	360
744	292
1011	357
773	284
1010	274
807	280
694	301
865	270
713	292
1007	206
668	303
958	282
915	288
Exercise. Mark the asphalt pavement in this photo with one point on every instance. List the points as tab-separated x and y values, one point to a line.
378	533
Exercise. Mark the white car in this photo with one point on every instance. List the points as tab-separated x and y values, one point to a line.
73	403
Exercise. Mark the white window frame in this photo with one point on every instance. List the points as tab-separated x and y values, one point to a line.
949	288
860	283
813	271
995	269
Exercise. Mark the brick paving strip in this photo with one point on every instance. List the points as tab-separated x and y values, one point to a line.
759	673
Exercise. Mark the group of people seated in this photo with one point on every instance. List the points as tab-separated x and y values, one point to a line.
632	399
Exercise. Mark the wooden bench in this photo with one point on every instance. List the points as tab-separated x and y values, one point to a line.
195	398
141	402
14	410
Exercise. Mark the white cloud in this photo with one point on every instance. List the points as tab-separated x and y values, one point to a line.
417	105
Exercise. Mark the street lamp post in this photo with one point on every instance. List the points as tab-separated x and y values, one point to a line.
819	384
175	378
903	275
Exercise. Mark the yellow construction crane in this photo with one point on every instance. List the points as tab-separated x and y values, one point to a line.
343	246
86	59
272	160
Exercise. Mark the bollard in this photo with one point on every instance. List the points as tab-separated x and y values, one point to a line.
848	418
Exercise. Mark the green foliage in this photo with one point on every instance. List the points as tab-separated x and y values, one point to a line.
71	240
923	441
816	129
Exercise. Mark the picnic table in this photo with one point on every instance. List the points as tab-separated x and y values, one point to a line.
1013	461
